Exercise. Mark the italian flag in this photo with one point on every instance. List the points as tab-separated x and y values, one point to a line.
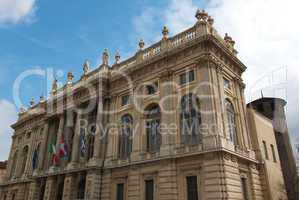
52	149
62	147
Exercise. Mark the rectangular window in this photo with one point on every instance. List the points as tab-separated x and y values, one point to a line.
152	89
298	150
265	150
226	83
120	191
187	77
125	100
244	188
149	190
192	191
273	153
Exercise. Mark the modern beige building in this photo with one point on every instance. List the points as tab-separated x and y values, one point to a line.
169	123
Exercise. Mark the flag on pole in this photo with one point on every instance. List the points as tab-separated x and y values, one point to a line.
62	147
52	150
82	144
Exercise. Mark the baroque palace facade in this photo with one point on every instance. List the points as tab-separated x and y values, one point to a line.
169	123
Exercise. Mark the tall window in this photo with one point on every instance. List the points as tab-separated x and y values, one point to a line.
81	186
35	158
231	120
149	190
244	188
13	165
187	77
190	120
60	185
152	88
192	191
42	184
125	137
120	191
125	100
90	139
153	118
24	159
273	153
265	150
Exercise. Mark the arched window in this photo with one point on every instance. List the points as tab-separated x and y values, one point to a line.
153	118
14	163
125	137
24	159
231	122
35	158
190	120
81	186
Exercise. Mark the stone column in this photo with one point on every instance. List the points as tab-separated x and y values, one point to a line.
44	147
167	114
93	185
69	187
76	144
60	131
96	160
33	191
50	191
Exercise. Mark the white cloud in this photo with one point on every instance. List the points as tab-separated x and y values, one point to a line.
15	11
8	115
266	37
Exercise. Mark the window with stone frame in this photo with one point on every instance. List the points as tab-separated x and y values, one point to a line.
81	186
149	189
125	136
24	159
265	150
273	153
14	163
90	149
125	100
231	120
60	186
190	120
153	135
152	88
120	191
187	77
192	188
244	188
227	84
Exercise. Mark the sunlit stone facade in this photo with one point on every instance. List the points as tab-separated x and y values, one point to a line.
168	123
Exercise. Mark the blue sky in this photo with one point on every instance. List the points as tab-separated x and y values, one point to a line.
42	34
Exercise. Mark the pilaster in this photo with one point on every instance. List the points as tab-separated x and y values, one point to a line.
42	153
76	144
93	184
69	187
33	191
50	191
168	116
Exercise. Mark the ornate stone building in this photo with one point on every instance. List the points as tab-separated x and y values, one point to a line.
168	123
2	171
